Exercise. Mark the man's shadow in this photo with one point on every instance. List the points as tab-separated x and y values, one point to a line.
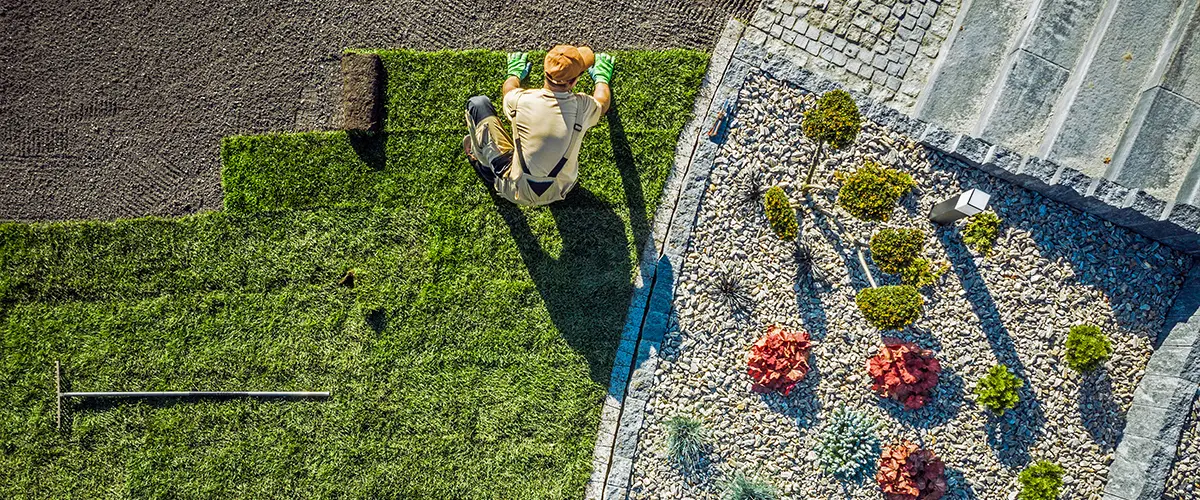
587	288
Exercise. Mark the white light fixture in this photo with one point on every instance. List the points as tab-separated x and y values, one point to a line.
964	205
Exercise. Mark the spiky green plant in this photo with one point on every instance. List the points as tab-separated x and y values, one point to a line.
871	192
1087	348
685	440
848	444
890	307
998	390
981	232
744	488
1041	481
780	214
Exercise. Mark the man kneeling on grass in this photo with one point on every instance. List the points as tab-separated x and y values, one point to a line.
540	164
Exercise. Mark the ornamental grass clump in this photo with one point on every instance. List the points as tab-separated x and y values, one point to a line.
981	232
848	444
1041	481
779	360
744	488
907	472
780	214
904	372
834	120
871	192
685	440
1087	348
998	390
897	251
890	307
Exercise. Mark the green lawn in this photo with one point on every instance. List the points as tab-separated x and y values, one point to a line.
469	360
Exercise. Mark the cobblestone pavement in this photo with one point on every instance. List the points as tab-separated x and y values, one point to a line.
116	108
885	48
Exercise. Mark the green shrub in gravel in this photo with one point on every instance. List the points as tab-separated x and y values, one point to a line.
896	251
1087	348
848	444
998	390
1041	481
685	440
744	488
834	120
890	307
871	192
780	214
981	232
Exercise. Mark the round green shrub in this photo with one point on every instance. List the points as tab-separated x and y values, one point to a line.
894	249
871	192
981	232
848	444
1041	481
890	307
1087	348
834	120
685	440
744	488
998	390
780	214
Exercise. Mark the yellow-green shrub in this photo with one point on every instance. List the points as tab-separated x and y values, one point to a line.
780	214
871	192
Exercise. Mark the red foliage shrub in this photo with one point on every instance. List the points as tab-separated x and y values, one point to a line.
779	360
909	473
904	372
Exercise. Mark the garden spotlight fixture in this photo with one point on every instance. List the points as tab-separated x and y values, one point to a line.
968	203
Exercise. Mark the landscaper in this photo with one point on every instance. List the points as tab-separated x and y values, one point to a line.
539	164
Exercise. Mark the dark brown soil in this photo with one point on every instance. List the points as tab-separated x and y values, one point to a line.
116	108
362	92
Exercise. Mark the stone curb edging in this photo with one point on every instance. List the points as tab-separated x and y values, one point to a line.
650	307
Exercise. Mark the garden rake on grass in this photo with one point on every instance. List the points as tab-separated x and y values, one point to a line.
170	394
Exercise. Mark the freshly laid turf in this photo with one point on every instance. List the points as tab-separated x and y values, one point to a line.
469	359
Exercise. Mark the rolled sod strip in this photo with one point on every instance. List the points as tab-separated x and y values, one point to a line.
362	92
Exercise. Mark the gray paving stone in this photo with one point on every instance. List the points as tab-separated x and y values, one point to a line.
898	9
909	22
931	8
938	138
827	38
1128	480
788	21
971	149
749	52
914	9
1183	360
789	36
1038	173
1027	97
880	63
839	43
924	21
776	31
893	83
1184	333
1003	163
1155	151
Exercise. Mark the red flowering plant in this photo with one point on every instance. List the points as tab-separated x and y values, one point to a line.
779	360
907	472
904	372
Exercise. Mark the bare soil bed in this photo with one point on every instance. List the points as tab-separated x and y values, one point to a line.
115	109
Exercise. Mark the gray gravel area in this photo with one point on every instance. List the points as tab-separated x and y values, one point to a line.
1053	267
115	109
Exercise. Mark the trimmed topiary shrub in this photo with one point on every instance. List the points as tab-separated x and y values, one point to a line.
998	390
907	472
897	251
904	372
834	120
890	307
779	360
780	214
871	192
981	232
1087	348
1041	481
744	488
848	444
685	440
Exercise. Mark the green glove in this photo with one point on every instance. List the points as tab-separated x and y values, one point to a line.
518	65
602	71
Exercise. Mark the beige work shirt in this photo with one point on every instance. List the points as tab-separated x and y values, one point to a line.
544	127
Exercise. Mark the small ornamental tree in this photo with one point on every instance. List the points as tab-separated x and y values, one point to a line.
835	121
1087	348
780	214
871	192
779	360
1041	481
998	390
904	372
890	307
907	472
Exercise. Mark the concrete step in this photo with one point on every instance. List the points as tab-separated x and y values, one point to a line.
1158	150
1051	45
1100	99
961	80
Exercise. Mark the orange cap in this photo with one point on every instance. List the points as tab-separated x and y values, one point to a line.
566	62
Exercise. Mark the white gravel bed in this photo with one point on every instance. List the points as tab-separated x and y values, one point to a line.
1053	267
1184	482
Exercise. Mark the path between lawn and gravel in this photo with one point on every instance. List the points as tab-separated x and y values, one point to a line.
116	109
1053	267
